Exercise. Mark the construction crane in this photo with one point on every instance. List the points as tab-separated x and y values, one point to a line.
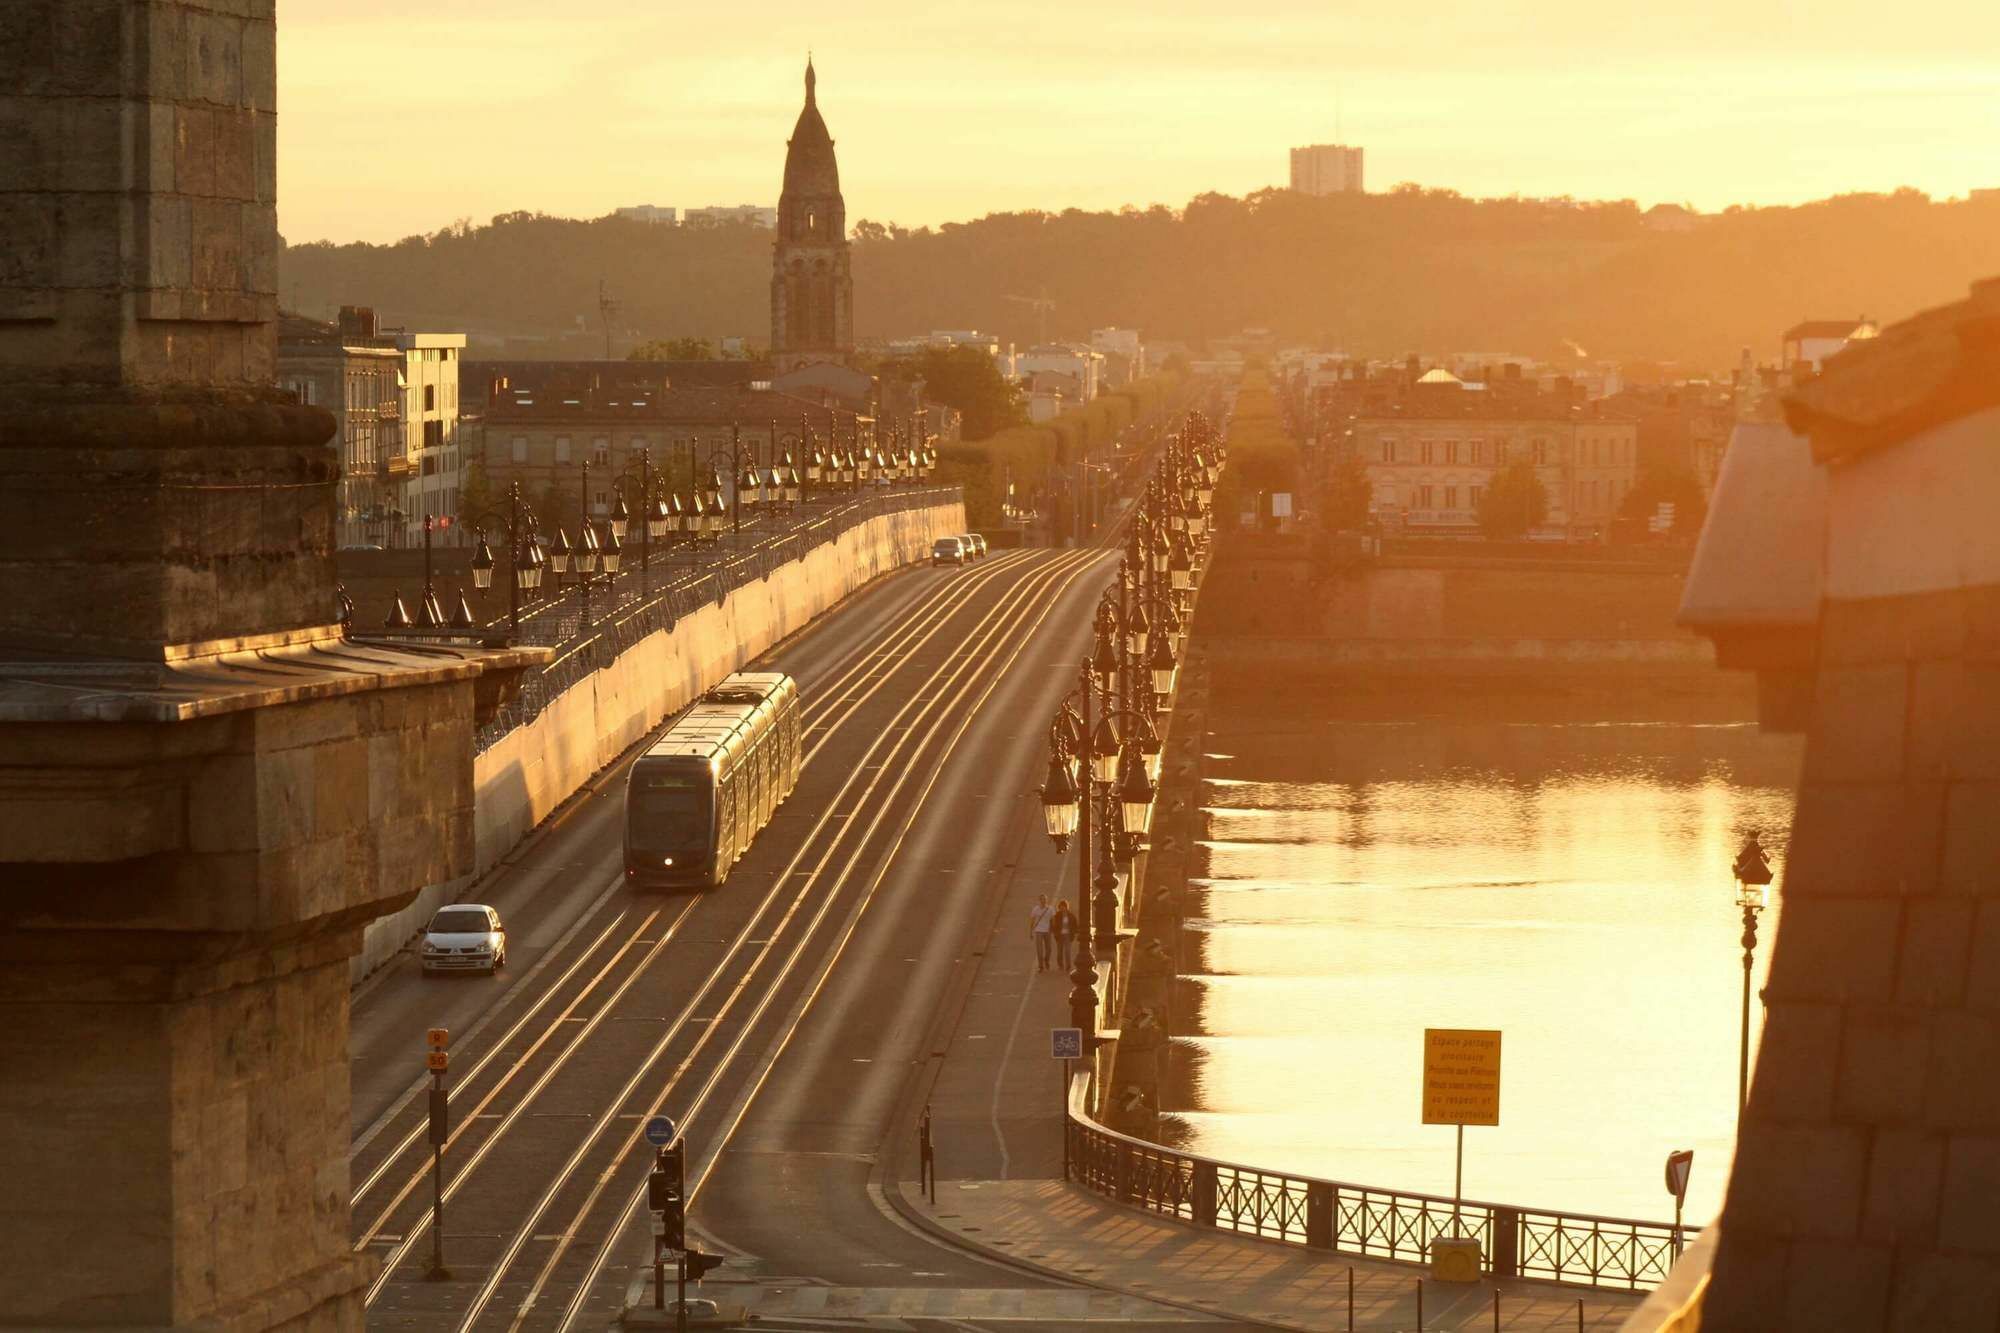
1042	305
606	308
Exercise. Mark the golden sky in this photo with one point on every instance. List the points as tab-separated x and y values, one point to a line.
398	118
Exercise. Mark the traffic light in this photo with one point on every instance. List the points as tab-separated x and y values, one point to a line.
665	1196
699	1262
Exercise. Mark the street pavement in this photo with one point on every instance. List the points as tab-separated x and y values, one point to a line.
867	958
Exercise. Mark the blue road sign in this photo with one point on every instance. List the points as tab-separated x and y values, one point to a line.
659	1131
1066	1043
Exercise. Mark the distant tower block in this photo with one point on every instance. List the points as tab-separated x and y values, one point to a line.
1326	168
812	288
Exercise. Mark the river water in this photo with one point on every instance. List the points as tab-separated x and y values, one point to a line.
1565	883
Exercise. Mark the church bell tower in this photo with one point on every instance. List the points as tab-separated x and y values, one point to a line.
812	288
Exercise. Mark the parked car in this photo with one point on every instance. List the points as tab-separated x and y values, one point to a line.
947	551
978	545
465	937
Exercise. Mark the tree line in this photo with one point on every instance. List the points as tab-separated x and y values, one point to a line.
1377	275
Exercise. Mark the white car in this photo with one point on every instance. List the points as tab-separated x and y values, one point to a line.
465	937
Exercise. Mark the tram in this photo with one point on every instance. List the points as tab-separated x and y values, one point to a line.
701	792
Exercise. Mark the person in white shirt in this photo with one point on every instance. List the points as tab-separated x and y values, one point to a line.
1039	919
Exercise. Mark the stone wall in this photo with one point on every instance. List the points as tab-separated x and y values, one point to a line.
527	774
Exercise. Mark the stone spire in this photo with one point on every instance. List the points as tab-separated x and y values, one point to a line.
812	289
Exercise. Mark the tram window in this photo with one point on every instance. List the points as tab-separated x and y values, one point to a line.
667	811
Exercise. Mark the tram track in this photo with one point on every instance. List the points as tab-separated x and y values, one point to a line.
968	679
702	1163
928	620
836	711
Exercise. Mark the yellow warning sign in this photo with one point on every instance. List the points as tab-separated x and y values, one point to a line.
1461	1076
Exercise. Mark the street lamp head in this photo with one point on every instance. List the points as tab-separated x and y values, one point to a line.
1752	868
1753	897
1135	791
586	550
1104	747
559	554
656	519
1059	802
614	553
461	619
621	518
482	564
1162	664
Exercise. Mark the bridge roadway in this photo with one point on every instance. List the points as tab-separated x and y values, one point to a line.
780	1020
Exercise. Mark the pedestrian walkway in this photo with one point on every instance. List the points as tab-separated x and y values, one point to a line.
1067	1231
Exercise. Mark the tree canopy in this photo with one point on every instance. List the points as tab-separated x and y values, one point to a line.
967	379
1515	502
1376	274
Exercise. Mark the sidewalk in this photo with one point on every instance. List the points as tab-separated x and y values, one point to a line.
1067	1231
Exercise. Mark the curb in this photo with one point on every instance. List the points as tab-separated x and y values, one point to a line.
918	1218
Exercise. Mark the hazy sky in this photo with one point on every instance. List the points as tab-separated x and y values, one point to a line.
397	118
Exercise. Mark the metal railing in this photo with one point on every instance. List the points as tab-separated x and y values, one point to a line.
632	614
1576	1248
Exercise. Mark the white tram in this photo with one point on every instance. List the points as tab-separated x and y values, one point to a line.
701	792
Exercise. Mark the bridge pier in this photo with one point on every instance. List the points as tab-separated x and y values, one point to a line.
206	790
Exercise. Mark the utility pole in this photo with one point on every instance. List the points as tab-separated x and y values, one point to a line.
438	1061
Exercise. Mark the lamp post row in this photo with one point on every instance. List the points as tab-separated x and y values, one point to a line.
1104	748
663	514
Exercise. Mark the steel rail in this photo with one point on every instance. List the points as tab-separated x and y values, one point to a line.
468	1169
852	664
863	658
723	1065
961	666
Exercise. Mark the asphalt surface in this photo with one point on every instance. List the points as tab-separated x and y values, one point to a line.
783	1021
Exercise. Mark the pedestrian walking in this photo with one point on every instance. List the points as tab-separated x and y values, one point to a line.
1062	926
1040	917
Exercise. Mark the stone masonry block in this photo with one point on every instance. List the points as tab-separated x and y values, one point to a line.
1848	1287
1796	1062
1857	724
260	67
1937	943
1905	1171
1967	1217
194	150
222	806
1884	1055
1943	1291
1893	629
1963	1084
235	134
1982	976
215	58
1797	1180
1971	860
169	230
1836	949
264	147
166	53
1975	733
1747	1287
92	154
1865	838
1939	711
218	245
88	254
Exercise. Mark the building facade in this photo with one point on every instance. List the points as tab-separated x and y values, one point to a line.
1326	168
352	372
541	437
1427	472
719	215
430	416
812	286
655	213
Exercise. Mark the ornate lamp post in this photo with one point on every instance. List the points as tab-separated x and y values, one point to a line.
524	555
580	560
654	514
1753	879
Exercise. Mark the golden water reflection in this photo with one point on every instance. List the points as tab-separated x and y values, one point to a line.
1568	885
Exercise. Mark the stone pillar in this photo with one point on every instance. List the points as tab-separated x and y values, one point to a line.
206	790
1868	1162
